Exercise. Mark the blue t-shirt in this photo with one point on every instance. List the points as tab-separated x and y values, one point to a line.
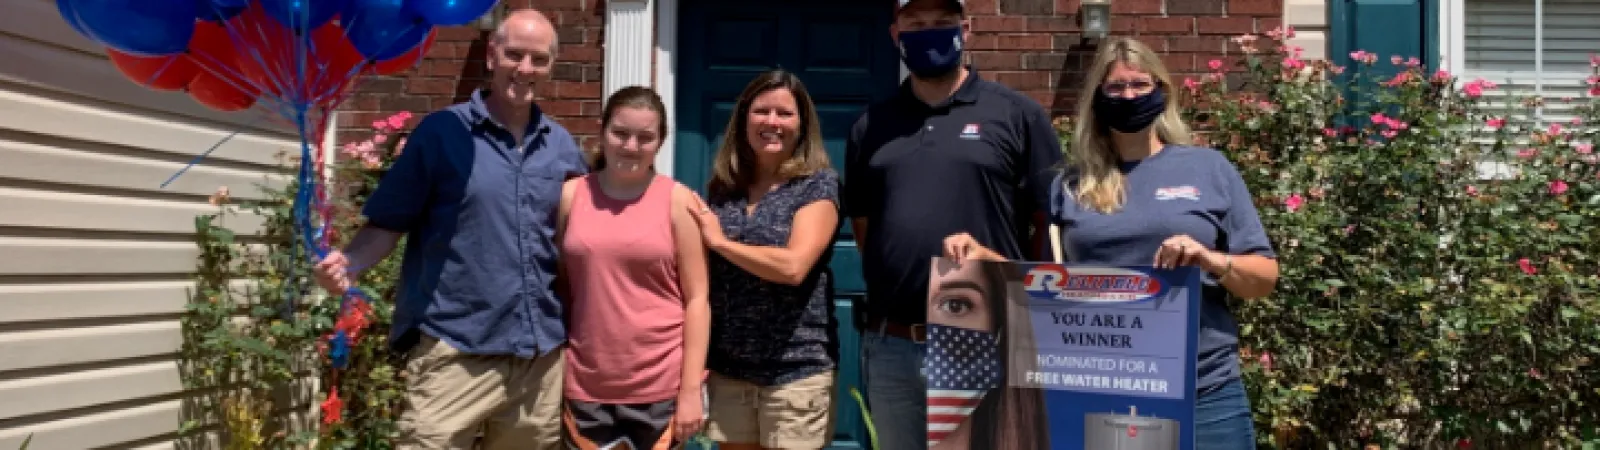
1180	190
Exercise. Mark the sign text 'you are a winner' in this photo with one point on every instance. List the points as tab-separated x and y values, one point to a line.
1106	330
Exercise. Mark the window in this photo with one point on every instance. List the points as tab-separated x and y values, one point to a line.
1528	47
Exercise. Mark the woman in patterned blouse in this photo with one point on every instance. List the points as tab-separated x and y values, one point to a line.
769	222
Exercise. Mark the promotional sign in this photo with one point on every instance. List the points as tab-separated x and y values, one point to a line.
1061	356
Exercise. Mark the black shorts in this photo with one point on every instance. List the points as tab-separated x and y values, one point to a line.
603	426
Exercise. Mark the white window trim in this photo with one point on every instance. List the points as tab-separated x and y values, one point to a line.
1453	43
1452	36
1452	58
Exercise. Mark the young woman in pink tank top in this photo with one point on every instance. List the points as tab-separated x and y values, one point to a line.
634	268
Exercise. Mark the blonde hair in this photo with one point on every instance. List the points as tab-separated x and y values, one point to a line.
733	169
1100	185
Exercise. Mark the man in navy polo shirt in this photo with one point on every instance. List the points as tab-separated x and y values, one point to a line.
475	193
949	153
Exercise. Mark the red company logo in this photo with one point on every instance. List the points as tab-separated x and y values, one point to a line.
1090	284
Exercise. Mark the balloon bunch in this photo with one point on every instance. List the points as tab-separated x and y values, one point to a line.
295	59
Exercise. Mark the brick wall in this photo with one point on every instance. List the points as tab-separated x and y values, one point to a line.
1033	46
454	67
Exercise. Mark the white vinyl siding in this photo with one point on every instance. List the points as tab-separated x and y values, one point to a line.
95	256
1531	48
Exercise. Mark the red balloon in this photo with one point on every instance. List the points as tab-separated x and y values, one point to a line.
219	85
265	49
408	60
330	63
274	58
213	52
162	73
216	93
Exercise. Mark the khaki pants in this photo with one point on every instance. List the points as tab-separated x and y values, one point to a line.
450	397
797	415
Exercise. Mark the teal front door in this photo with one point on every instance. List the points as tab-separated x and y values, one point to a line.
842	51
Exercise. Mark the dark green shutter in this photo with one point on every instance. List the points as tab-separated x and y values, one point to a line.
1408	28
1386	27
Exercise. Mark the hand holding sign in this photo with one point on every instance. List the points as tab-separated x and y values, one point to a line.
962	246
1182	250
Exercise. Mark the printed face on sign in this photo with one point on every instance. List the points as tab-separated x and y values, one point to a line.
963	361
959	296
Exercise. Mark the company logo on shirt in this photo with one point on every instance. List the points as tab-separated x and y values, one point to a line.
970	131
1177	192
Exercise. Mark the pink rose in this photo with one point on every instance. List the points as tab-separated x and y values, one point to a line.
1294	202
1558	187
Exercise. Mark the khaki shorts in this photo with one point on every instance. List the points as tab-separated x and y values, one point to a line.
793	416
451	397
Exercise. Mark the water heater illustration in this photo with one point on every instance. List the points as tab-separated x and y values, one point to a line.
1129	432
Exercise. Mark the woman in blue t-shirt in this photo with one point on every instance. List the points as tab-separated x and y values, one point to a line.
1135	191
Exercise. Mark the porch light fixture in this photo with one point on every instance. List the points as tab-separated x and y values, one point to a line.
491	19
1094	16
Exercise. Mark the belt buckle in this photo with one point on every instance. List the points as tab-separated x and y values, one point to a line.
919	333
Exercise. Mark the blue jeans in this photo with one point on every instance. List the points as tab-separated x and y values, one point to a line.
897	393
1222	419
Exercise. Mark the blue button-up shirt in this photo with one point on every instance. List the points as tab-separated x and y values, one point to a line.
479	215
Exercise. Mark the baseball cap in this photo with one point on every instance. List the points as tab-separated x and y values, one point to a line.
959	6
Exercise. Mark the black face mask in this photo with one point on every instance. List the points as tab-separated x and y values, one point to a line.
1129	115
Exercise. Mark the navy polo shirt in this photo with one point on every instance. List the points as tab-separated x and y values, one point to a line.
479	217
1181	190
979	162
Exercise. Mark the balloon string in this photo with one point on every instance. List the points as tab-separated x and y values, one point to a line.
163	69
202	157
238	34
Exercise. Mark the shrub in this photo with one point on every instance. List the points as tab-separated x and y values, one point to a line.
1421	301
285	342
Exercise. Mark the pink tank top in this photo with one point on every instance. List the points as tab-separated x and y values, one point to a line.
625	335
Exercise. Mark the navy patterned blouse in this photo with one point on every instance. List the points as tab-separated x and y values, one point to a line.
764	332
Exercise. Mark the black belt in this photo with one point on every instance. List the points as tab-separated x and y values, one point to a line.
912	332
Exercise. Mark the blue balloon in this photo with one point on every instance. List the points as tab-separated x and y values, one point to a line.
339	350
450	12
302	15
139	27
219	10
71	16
382	29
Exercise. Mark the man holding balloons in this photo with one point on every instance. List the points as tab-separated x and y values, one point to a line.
475	190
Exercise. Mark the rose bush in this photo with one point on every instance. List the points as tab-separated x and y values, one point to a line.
1437	236
286	342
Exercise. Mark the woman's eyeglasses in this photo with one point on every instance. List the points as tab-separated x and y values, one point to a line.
1118	87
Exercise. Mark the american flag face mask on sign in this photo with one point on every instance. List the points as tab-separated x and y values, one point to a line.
963	365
